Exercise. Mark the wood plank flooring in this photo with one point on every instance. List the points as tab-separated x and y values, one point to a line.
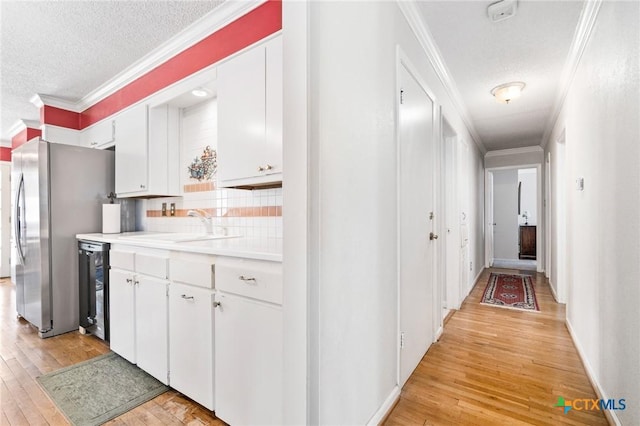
496	366
492	366
24	356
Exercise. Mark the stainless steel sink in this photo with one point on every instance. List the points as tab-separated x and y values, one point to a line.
175	237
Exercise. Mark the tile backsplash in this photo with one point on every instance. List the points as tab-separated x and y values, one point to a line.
250	213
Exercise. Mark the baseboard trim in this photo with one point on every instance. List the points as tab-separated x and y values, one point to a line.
385	409
611	416
553	292
439	332
475	281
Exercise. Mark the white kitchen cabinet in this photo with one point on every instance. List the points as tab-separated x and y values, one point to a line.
191	342
122	314
248	349
147	160
151	324
101	135
250	117
248	367
138	310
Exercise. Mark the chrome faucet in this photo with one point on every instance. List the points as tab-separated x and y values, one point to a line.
207	220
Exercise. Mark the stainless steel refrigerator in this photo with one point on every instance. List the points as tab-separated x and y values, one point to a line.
58	192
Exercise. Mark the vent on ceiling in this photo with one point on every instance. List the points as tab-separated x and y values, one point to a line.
502	10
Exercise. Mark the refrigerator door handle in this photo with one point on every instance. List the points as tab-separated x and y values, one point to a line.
19	214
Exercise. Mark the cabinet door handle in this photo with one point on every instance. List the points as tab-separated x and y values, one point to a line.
185	297
260	169
136	282
243	278
129	280
216	304
268	167
142	186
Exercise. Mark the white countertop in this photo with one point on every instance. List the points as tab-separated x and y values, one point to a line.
249	248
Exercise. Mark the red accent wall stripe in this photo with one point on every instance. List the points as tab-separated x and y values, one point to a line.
246	30
59	117
25	135
5	154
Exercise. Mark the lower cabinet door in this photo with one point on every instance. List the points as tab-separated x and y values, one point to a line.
152	348
122	314
191	342
248	367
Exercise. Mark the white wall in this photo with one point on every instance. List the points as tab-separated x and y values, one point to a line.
600	115
528	196
505	214
352	197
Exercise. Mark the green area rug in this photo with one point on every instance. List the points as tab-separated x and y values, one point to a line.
100	389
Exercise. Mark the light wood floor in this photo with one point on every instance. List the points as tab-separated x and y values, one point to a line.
24	356
496	366
491	366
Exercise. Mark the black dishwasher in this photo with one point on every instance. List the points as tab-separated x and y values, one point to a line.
93	262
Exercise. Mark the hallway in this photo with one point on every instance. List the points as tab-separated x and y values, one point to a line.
498	366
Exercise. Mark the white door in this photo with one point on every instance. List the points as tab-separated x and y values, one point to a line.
5	219
152	348
122	314
416	251
191	342
452	226
490	219
248	367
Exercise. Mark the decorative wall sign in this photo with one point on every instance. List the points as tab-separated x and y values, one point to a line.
205	166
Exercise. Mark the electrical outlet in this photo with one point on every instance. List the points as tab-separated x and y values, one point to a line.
164	209
173	209
471	266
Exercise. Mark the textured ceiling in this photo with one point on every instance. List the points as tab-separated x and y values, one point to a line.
531	47
67	49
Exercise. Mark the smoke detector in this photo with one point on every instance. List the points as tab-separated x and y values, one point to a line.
502	10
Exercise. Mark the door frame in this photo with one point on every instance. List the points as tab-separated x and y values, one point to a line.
402	60
450	214
540	225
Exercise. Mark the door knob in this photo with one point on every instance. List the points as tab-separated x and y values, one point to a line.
432	236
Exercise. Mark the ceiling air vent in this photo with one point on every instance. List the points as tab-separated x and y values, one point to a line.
502	10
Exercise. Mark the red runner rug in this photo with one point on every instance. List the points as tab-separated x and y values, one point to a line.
510	291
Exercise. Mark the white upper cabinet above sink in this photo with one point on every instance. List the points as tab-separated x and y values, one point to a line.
250	117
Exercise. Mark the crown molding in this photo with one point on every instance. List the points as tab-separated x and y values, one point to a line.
514	151
218	18
40	100
581	37
414	18
20	125
221	16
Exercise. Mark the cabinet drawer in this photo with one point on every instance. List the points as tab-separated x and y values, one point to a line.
122	259
155	266
257	279
190	271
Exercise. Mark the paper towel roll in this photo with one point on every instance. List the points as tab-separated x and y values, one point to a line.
111	218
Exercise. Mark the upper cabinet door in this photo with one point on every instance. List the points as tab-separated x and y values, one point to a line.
273	128
147	152
131	150
250	117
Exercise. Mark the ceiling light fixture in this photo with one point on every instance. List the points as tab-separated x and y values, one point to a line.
505	93
200	92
